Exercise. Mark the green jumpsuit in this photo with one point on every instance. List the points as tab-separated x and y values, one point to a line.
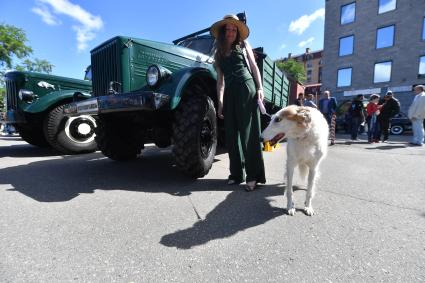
241	120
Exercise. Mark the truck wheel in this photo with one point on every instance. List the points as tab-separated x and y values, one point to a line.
32	133
396	129
118	140
195	135
70	135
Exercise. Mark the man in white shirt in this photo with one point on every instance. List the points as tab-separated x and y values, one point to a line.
417	115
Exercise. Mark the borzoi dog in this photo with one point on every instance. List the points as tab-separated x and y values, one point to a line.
307	133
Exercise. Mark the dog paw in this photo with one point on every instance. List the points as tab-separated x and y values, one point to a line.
309	210
291	211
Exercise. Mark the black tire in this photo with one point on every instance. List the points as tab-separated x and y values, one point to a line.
195	135
70	135
32	133
117	139
396	129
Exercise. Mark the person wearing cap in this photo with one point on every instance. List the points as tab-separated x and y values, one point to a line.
390	107
416	114
239	87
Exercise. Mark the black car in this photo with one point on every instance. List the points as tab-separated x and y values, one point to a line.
399	124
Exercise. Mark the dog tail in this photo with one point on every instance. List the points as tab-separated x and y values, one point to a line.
303	169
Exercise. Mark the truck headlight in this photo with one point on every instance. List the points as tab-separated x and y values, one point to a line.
155	74
152	75
27	95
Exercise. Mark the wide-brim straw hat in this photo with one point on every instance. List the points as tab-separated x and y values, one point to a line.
230	19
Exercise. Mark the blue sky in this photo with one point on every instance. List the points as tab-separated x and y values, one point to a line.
64	31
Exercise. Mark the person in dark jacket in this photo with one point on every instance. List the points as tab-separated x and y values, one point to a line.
390	107
327	105
356	112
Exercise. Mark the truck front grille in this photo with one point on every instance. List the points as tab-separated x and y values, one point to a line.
12	91
105	67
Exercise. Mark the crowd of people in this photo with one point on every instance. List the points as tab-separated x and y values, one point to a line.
376	114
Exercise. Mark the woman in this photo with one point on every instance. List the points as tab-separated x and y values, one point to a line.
373	110
239	87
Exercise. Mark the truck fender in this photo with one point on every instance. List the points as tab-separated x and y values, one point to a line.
180	80
54	98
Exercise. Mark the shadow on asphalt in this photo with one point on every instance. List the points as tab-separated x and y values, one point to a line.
61	180
387	147
239	211
27	150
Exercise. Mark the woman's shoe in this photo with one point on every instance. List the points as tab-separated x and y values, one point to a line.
232	182
250	186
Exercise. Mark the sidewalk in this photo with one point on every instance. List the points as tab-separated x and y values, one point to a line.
394	142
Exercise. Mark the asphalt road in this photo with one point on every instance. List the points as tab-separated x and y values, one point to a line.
86	218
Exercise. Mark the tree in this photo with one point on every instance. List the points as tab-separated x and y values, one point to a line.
12	43
293	68
41	66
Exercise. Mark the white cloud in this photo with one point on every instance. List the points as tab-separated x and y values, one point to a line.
283	46
87	24
305	42
46	16
301	24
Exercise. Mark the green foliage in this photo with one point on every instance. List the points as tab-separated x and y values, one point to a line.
12	43
41	66
293	68
2	96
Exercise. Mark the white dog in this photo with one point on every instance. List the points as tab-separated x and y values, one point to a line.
307	132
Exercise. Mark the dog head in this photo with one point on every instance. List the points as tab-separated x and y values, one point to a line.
292	122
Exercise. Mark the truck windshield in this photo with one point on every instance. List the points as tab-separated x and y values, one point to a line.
203	45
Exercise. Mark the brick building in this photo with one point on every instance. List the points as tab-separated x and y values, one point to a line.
374	46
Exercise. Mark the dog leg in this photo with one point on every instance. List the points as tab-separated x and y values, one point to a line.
290	203
311	187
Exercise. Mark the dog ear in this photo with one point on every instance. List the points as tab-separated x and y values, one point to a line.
303	117
289	112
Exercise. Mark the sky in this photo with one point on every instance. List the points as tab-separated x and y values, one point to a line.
64	31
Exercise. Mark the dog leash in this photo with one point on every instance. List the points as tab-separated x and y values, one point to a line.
262	108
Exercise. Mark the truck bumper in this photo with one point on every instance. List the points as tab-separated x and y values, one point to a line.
134	101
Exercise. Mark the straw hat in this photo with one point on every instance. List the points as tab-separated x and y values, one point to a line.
230	19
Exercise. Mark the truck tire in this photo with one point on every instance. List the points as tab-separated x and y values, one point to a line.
70	135
195	135
32	133
117	140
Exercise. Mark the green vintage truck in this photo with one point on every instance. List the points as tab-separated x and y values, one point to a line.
34	105
147	91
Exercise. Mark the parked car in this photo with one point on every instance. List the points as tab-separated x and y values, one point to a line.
400	124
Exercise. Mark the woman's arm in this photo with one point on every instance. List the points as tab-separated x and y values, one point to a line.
220	91
255	71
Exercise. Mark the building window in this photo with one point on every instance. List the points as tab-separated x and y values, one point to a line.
385	37
423	30
386	6
422	66
309	75
382	72
348	13
346	45
320	75
344	77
